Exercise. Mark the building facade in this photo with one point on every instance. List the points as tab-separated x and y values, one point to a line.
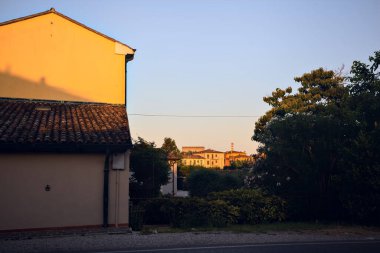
232	156
192	149
64	134
193	160
209	158
50	56
199	156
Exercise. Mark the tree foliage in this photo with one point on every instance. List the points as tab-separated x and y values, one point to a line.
254	205
202	182
320	89
321	145
150	168
170	148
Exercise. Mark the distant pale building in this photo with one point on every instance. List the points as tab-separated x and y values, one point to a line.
212	158
192	149
193	160
199	156
236	156
209	158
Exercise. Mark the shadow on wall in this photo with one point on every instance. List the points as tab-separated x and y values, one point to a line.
17	87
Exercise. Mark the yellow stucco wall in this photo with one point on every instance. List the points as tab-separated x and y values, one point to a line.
50	57
235	156
75	197
210	160
213	159
193	161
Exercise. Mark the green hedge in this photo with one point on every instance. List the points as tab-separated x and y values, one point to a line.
245	206
202	182
189	212
254	206
157	211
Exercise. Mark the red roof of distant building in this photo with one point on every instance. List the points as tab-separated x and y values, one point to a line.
191	156
209	151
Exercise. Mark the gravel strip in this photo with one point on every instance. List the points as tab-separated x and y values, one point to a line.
134	240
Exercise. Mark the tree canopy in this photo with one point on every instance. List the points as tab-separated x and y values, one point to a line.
170	148
321	144
320	89
150	168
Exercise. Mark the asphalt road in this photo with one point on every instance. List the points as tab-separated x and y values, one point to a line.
296	247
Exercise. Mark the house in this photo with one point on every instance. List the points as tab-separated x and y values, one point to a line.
199	156
192	159
64	132
232	156
208	158
213	158
192	149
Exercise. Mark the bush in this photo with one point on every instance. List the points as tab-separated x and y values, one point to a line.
245	206
186	170
189	212
136	215
202	182
254	206
157	211
221	214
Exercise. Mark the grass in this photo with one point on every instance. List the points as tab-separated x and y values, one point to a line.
298	227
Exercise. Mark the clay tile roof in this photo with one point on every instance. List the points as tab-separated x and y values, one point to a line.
210	151
192	156
46	125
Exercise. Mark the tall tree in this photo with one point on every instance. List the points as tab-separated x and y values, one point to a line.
170	148
360	182
320	89
150	168
301	137
321	145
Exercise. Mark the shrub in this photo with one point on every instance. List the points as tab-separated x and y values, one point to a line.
221	214
189	212
202	182
255	206
136	215
157	211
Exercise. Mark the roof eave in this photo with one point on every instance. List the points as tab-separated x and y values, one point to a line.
63	148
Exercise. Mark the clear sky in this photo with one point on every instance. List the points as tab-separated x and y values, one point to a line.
219	57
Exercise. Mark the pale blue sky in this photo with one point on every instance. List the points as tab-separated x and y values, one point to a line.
215	57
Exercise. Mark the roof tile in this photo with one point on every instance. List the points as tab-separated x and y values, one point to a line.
49	122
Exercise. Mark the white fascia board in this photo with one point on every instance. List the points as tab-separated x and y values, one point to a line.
122	49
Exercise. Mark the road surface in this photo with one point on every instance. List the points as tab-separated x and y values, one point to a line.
372	246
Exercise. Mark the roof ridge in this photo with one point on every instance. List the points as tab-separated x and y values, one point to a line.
53	10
